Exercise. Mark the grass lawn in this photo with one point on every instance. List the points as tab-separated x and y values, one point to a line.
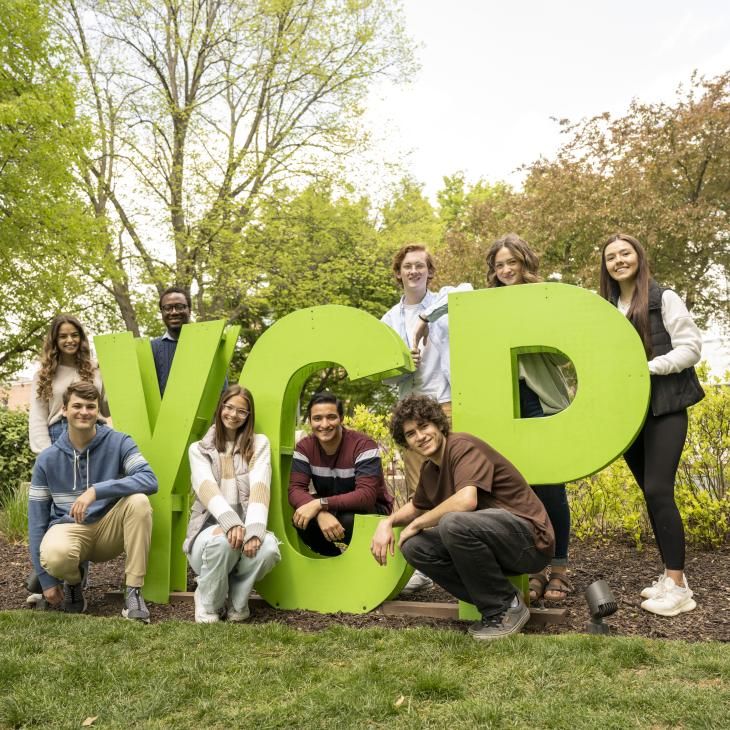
56	671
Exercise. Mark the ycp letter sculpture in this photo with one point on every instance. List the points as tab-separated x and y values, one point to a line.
489	329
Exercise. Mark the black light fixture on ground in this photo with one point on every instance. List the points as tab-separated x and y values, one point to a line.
601	603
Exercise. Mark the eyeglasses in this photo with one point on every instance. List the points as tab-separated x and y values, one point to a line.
414	267
70	336
170	308
240	412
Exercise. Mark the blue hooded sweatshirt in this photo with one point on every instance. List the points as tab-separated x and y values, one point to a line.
111	463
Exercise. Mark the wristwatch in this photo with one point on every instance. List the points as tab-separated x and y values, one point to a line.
324	503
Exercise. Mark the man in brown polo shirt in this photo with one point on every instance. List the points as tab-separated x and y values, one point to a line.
473	519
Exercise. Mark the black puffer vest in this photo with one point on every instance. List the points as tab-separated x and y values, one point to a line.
674	392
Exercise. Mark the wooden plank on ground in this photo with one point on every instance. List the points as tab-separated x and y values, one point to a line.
538	616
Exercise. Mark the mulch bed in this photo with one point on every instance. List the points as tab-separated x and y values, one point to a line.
626	570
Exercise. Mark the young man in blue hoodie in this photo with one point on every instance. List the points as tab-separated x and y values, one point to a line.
88	501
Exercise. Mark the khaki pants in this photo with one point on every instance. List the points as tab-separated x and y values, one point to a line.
413	461
127	527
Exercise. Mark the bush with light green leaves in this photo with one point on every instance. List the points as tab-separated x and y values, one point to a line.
610	504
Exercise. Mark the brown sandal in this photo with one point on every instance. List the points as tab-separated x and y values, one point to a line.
538	581
558	583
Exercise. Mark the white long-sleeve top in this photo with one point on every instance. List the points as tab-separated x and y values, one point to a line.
683	332
44	413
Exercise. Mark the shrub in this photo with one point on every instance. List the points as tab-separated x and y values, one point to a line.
376	426
610	503
16	458
14	514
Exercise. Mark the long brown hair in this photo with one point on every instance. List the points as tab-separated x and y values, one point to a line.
521	250
50	356
244	435
638	312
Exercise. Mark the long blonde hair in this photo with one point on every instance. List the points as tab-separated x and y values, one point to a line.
50	356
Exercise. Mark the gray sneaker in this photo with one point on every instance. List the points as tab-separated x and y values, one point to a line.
503	624
74	600
135	608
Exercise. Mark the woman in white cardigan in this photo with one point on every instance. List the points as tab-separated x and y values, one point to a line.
227	544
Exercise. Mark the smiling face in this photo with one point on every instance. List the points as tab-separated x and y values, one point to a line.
175	311
81	414
413	274
508	268
424	437
234	413
68	341
622	261
326	425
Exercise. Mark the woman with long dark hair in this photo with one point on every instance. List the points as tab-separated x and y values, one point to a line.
543	392
65	359
227	543
673	346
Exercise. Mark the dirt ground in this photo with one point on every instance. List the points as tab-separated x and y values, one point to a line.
626	570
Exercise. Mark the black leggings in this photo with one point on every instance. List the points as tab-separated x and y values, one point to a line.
653	459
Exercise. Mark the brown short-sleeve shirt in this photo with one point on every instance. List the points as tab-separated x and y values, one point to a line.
468	461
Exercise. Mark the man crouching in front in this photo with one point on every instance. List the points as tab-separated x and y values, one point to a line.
473	519
88	502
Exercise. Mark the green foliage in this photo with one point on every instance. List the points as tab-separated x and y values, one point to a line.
127	675
14	514
610	503
409	217
377	427
16	458
43	224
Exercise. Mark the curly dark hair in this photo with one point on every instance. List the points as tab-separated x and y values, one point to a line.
418	408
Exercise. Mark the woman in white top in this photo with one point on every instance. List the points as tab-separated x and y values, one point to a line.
66	358
227	544
673	345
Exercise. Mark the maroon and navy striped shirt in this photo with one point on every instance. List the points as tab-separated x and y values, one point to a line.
351	478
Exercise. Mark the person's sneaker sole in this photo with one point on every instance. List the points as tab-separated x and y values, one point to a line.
141	619
515	629
688	605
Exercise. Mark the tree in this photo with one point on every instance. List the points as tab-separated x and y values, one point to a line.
409	217
662	173
473	216
201	107
311	248
44	229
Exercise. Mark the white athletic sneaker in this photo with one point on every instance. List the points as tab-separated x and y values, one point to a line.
672	601
237	617
656	588
201	615
418	582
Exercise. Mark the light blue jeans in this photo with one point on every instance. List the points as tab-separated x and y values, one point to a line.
223	571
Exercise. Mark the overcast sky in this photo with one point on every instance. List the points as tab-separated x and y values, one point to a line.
494	73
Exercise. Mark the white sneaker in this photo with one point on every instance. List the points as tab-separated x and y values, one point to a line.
237	617
418	582
201	615
672	600
656	588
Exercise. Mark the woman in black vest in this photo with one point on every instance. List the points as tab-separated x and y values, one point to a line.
673	345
